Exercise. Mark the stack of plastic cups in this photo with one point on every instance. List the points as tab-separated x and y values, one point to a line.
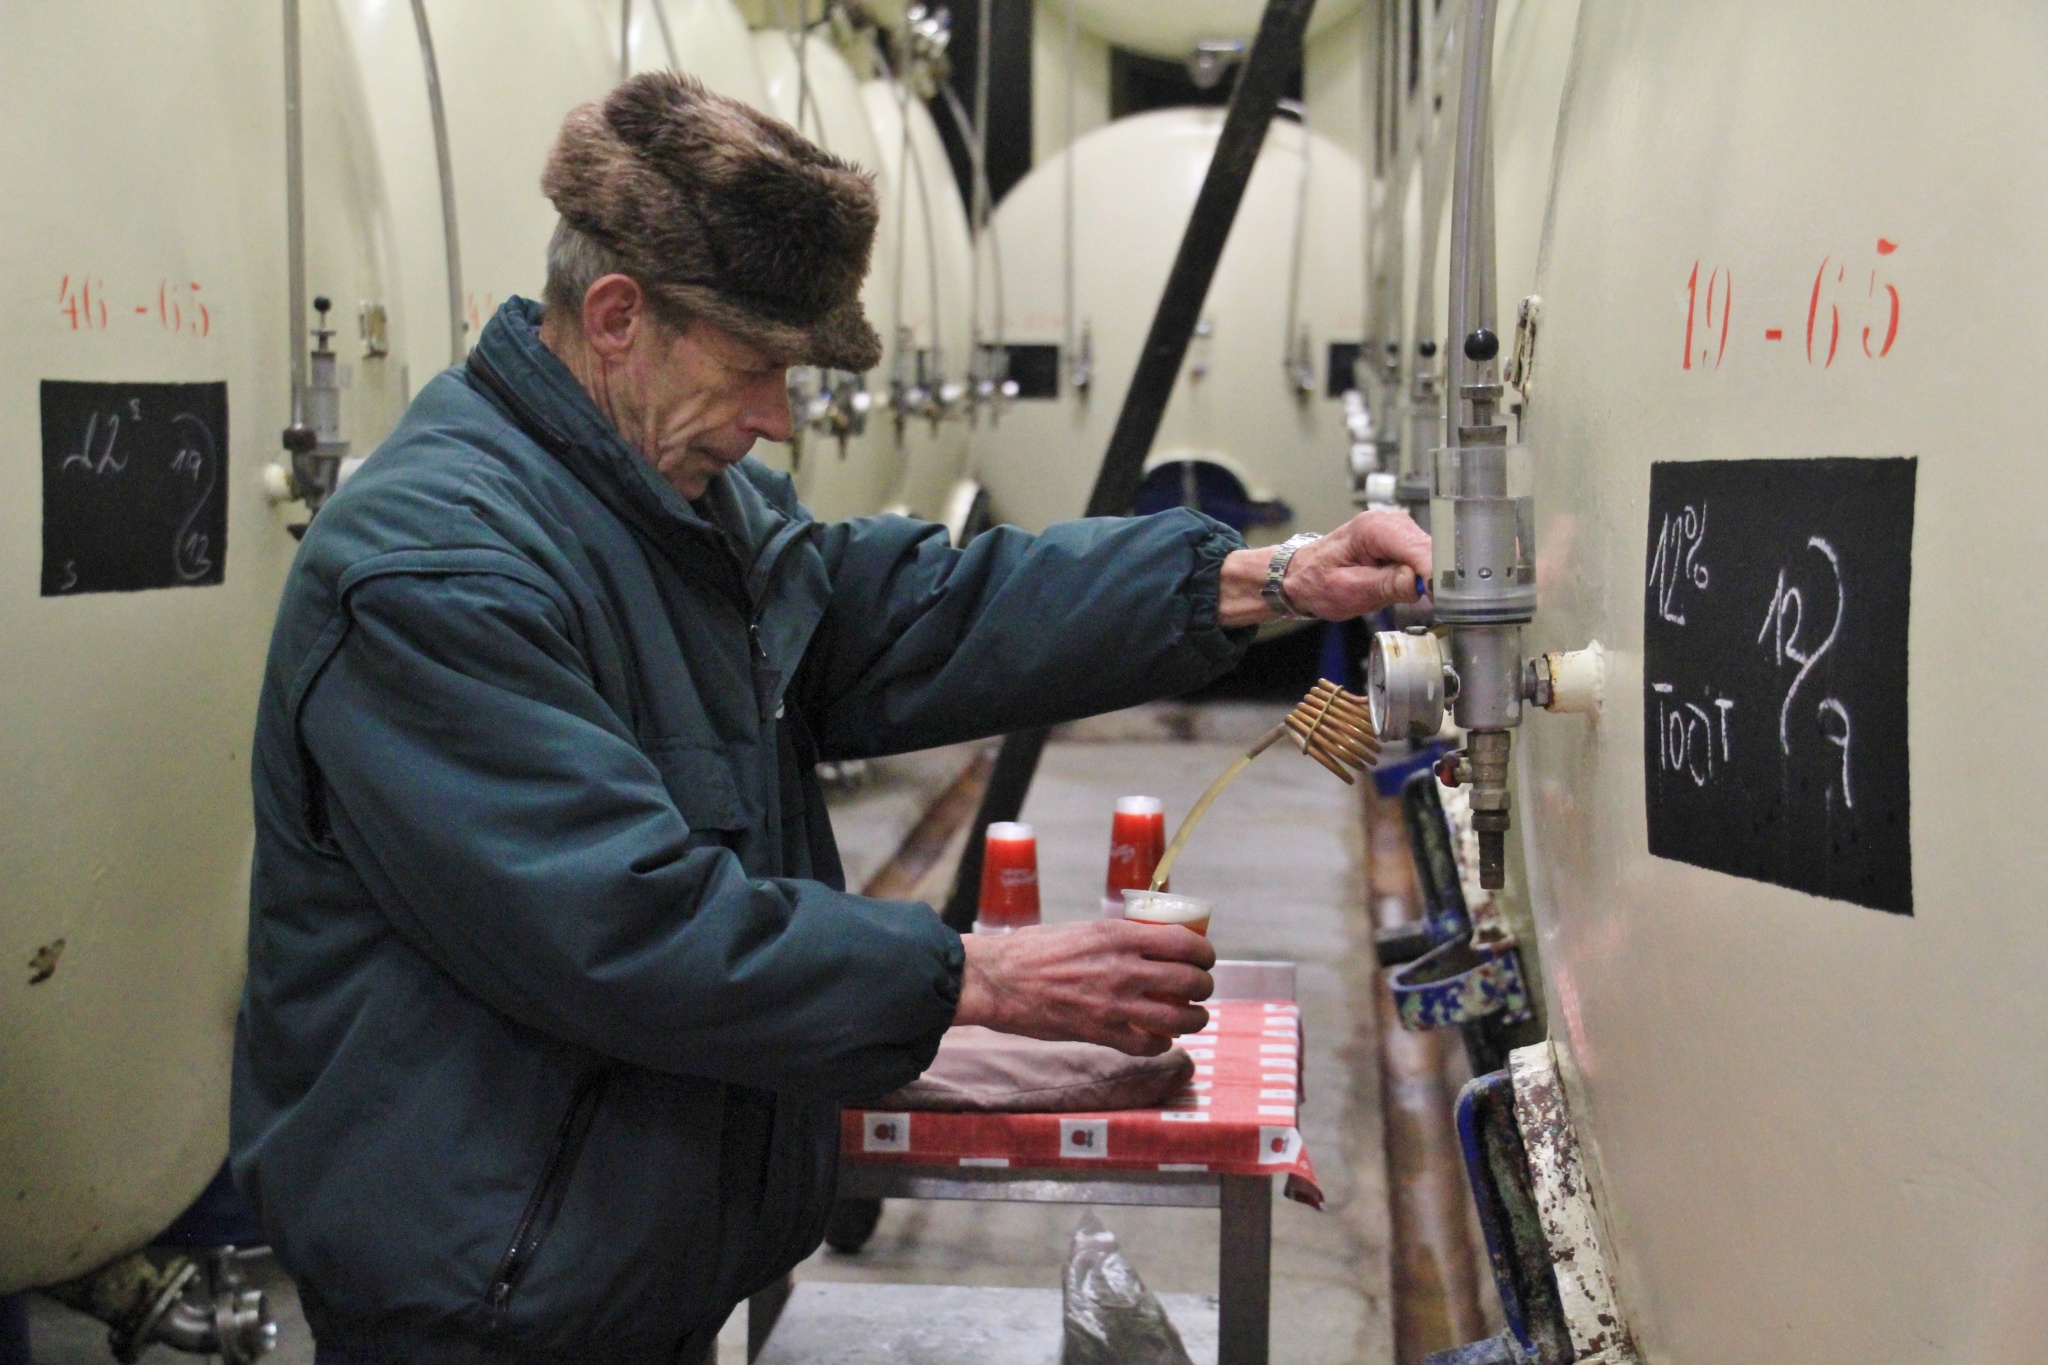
1137	841
1009	879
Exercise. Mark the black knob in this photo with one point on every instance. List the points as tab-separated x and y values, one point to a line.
1482	346
321	303
1426	349
300	439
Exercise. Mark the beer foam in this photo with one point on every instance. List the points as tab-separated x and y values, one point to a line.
1164	907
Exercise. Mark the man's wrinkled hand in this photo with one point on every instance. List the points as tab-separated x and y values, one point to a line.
1102	981
1374	560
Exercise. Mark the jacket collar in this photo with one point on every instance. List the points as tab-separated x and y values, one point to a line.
536	389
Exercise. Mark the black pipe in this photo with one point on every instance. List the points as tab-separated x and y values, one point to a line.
1275	52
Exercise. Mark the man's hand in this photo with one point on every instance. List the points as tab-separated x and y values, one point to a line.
1371	561
1093	982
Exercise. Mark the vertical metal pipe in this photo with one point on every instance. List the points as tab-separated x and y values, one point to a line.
445	163
978	147
625	38
1471	211
1071	333
295	209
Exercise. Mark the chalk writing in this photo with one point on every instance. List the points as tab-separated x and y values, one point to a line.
1774	704
1676	559
134	489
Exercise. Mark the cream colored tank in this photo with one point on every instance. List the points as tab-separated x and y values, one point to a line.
705	38
1235	405
1173	28
861	474
509	71
935	305
146	248
1787	230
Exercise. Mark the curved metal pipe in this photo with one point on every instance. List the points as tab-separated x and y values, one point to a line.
668	37
445	164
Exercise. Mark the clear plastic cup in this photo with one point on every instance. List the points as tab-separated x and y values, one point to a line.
1142	906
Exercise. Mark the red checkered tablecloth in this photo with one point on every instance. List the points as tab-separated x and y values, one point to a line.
1237	1117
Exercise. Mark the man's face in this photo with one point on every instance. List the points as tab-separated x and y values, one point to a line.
695	402
692	402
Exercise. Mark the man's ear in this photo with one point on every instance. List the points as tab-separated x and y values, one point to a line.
614	311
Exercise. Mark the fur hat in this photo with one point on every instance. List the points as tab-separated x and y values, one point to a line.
725	214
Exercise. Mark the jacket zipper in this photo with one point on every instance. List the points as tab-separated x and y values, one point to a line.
545	1204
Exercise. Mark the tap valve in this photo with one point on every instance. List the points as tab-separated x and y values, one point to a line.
313	442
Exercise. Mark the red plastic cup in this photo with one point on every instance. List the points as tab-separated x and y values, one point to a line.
1137	841
1009	878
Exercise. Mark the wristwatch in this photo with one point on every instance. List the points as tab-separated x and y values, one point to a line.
1276	575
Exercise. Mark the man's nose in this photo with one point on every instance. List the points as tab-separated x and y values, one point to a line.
766	414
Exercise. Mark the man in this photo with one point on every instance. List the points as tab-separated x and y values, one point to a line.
554	990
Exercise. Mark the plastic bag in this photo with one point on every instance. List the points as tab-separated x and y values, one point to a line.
1111	1317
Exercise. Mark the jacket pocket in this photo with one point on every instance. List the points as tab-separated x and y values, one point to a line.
700	781
545	1204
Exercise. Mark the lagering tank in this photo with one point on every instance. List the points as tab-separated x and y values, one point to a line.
1786	882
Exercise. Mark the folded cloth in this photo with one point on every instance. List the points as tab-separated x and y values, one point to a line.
980	1069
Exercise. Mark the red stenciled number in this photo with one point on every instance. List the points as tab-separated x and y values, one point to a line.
1834	313
1692	289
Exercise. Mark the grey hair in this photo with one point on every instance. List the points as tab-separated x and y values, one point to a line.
577	260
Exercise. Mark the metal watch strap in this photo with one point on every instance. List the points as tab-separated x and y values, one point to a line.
1272	591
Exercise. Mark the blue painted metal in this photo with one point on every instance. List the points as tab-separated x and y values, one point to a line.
1461	982
1491	1215
1495	1350
1393	773
1497	1168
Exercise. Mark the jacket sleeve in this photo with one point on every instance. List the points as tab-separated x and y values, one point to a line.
924	644
514	834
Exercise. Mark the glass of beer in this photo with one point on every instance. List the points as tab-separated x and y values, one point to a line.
1166	907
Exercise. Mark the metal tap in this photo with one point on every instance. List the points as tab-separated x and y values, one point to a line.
1482	519
989	384
314	438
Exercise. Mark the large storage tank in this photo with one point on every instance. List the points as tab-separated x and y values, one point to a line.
1174	29
147	384
927	331
1787	904
706	38
811	87
1242	418
507	73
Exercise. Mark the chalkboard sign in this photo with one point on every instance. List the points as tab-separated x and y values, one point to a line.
135	490
1774	673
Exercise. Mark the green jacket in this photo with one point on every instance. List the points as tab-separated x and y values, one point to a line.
554	989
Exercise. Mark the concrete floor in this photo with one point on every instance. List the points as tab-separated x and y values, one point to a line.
1281	856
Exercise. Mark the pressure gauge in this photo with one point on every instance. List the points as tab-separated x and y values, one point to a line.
1406	684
